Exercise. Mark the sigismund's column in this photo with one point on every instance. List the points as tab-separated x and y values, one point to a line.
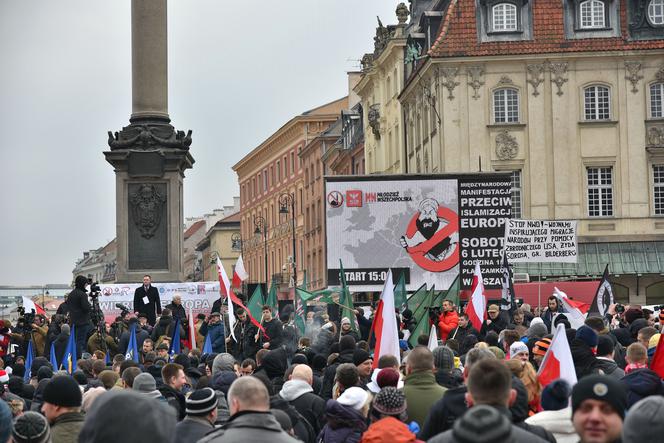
149	158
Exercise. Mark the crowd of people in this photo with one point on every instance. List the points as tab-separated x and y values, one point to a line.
324	385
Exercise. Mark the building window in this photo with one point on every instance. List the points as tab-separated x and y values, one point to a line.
658	188
506	105
504	17
600	192
656	12
592	14
656	94
597	103
264	180
516	194
278	170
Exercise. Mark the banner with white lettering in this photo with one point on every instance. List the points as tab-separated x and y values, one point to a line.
426	228
198	295
541	241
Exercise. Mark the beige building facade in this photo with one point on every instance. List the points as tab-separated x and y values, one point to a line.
379	88
572	109
221	240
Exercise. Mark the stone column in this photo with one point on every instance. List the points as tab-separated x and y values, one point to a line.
149	59
149	158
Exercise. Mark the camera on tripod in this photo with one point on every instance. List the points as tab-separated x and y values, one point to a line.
95	290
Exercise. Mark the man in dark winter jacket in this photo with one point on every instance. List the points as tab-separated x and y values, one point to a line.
496	321
552	309
271	339
605	351
174	380
299	393
62	408
201	415
583	352
79	313
250	417
146	300
244	345
162	325
464	329
640	381
453	405
489	394
177	309
346	350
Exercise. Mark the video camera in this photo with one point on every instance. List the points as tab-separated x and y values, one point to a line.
123	309
95	290
25	317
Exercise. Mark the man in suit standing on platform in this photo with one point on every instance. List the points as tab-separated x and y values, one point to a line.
146	300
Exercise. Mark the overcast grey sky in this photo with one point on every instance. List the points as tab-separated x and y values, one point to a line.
237	71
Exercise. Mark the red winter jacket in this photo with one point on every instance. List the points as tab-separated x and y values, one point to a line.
447	321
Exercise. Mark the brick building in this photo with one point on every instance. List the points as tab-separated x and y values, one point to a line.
271	171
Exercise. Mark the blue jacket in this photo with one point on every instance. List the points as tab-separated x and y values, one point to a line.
217	337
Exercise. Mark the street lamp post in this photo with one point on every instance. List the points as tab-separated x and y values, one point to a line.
286	200
260	227
236	240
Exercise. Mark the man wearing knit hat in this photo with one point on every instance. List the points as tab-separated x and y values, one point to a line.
598	409
519	351
584	347
539	350
556	416
62	409
362	359
31	427
346	329
146	384
388	414
201	415
644	422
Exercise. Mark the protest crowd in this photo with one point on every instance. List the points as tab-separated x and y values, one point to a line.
514	374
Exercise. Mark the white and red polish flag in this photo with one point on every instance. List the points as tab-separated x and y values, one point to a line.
572	310
385	325
476	307
226	290
557	362
31	306
240	273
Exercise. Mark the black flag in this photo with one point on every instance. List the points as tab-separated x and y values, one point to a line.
603	296
508	298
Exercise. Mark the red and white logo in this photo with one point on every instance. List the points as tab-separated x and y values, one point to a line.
335	199
354	199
